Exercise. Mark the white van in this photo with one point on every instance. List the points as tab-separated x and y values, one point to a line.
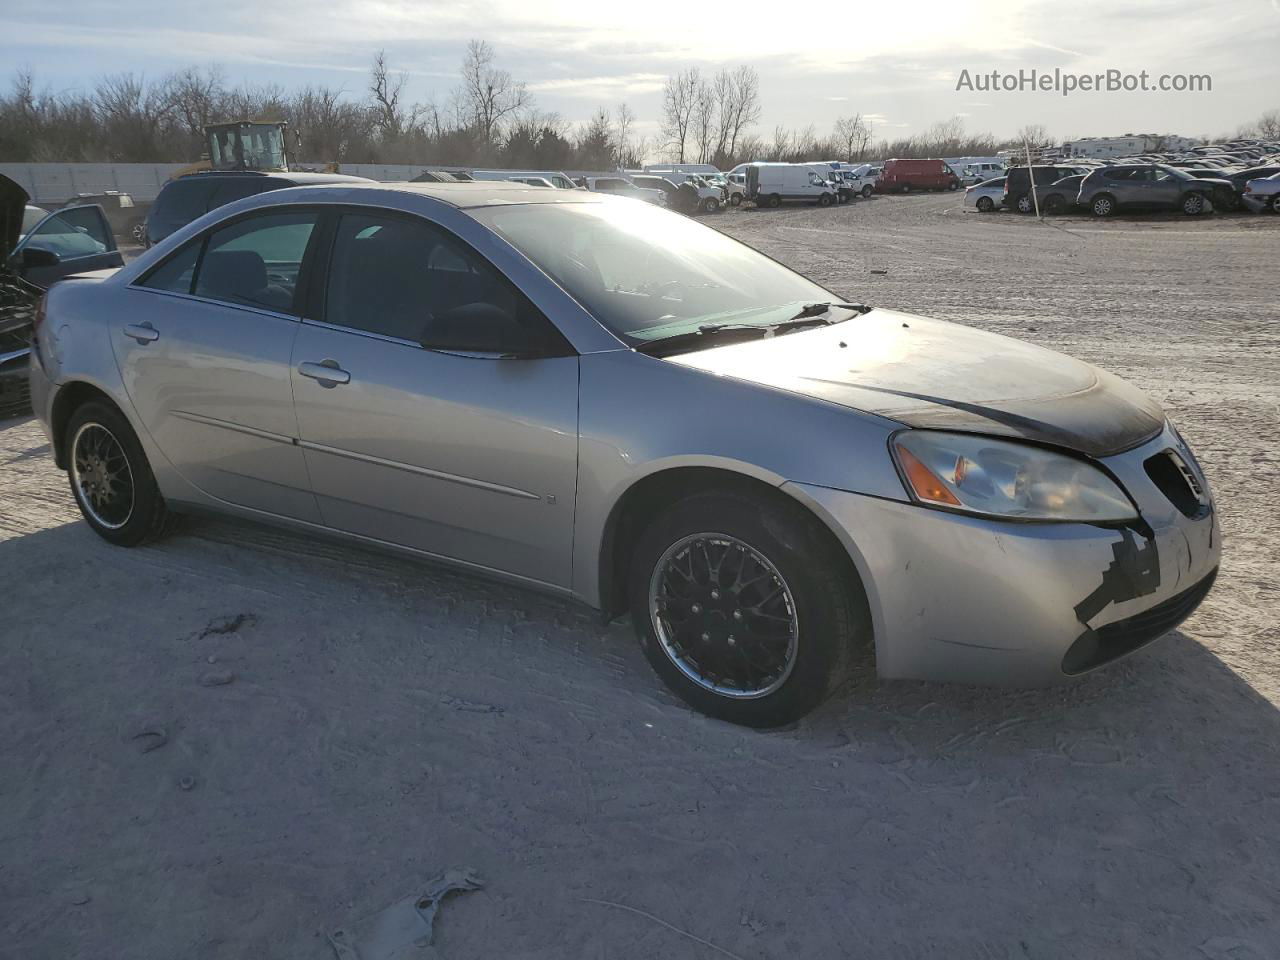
772	184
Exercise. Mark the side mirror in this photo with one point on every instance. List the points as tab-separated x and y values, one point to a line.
34	257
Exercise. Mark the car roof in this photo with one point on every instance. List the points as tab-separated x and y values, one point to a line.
464	195
298	177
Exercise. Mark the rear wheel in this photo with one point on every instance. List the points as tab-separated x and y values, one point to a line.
741	607
986	204
1053	204
866	191
1025	204
1275	203
824	199
1193	204
111	479
774	200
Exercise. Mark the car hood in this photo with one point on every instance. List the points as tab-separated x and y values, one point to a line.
1215	181
933	374
13	201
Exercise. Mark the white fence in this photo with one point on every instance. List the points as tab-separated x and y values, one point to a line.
55	183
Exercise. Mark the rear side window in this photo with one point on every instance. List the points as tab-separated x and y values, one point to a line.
176	274
184	200
231	190
414	281
255	262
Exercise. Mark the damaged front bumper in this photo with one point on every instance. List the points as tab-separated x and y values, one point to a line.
961	598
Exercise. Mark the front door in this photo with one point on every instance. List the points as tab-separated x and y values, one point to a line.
437	408
71	240
204	354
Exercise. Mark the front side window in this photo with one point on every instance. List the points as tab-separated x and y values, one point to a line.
646	273
256	262
408	279
178	273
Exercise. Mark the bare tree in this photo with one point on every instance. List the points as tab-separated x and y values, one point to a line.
744	106
622	140
705	110
1034	134
850	133
679	102
1268	125
386	92
490	94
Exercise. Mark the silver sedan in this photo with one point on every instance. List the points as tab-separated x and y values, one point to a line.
596	397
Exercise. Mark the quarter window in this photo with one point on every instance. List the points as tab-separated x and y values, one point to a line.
256	262
408	279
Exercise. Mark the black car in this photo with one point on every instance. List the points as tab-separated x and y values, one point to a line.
69	241
1240	179
192	196
1017	185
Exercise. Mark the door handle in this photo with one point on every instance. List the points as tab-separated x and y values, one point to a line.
142	332
326	372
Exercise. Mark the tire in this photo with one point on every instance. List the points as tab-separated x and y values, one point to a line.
773	200
710	205
866	192
1103	205
735	199
953	185
801	569
906	188
986	205
97	436
138	231
1275	204
1025	204
824	199
1193	204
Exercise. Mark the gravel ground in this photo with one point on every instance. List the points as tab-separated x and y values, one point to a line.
385	720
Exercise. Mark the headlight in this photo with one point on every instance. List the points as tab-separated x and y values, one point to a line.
995	478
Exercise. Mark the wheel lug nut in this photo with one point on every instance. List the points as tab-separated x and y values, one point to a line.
732	641
706	636
715	594
696	608
737	614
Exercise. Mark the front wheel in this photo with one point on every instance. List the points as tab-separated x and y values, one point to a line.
1025	204
1193	204
111	479
1053	204
774	200
710	205
736	199
741	607
986	205
953	185
1275	204
866	191
1103	206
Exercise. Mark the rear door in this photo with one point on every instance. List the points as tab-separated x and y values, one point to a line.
437	408
71	240
205	353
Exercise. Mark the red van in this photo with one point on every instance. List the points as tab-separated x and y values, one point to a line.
905	175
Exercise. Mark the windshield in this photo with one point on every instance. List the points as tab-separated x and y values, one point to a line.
1179	174
647	273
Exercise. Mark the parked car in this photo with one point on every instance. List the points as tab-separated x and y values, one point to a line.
1017	190
1239	179
621	187
457	375
561	181
974	173
1152	186
37	249
1060	196
773	184
533	181
128	221
907	175
985	197
1263	194
190	197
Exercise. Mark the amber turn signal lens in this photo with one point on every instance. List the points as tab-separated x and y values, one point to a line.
924	481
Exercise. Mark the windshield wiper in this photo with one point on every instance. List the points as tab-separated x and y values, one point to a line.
677	341
820	309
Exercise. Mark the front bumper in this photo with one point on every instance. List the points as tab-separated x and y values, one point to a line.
959	598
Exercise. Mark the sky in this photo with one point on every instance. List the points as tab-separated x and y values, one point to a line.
898	65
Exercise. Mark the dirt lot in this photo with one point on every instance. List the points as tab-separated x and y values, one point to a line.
386	720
